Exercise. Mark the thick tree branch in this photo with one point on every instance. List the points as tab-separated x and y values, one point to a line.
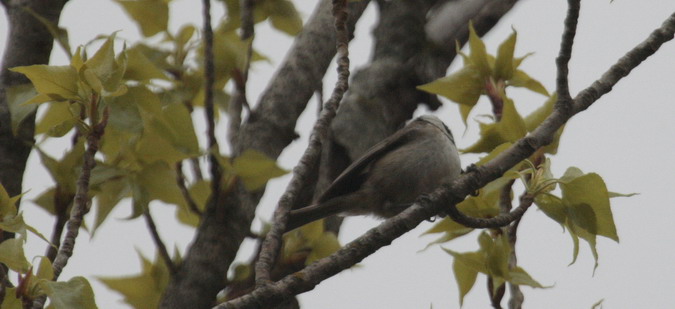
449	196
31	43
272	243
269	129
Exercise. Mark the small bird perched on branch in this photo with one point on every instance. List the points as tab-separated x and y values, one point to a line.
388	178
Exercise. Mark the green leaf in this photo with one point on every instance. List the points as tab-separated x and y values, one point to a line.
57	82
159	180
111	192
509	129
255	169
124	111
552	206
140	68
463	87
74	294
478	56
466	267
498	252
7	203
519	276
464	275
17	95
588	202
45	270
184	35
142	291
322	247
107	71
598	304
11	254
55	114
10	301
65	172
504	62
616	194
284	16
521	79
450	230
175	125
152	16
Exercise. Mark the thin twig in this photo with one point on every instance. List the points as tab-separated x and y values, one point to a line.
247	30
319	98
209	80
180	180
196	169
517	297
81	202
239	99
565	54
272	242
161	248
396	226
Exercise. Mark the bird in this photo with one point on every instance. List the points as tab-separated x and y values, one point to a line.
390	176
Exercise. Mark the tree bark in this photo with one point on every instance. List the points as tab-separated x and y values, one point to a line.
28	43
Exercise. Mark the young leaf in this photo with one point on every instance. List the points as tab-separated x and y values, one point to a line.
140	68
284	16
11	301
509	129
588	202
74	294
152	16
11	254
478	56
521	79
322	247
141	291
255	169
504	65
57	82
17	95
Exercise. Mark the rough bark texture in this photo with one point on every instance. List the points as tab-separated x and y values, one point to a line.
414	44
28	43
269	129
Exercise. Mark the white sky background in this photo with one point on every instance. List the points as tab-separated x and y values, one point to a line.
626	137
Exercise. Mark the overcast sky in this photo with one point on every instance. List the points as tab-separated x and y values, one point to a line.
626	137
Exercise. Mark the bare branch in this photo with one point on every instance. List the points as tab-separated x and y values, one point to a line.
241	77
565	54
209	80
180	180
312	154
247	29
161	248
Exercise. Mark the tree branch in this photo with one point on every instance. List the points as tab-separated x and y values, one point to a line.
312	154
450	195
161	248
268	129
562	82
180	181
209	80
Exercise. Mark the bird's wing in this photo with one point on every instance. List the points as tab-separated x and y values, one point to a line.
355	174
